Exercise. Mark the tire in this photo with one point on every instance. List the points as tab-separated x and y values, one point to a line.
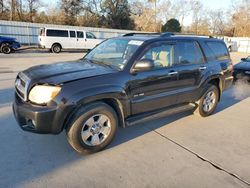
56	48
208	102
86	133
5	48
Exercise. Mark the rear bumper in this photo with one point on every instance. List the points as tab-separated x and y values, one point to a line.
39	119
41	46
228	82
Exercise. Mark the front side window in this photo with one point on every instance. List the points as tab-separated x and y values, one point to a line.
80	34
57	33
114	52
189	53
90	35
162	55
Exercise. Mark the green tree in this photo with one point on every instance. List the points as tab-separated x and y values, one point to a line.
70	9
172	25
117	14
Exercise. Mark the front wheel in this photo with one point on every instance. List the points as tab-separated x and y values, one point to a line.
208	102
92	128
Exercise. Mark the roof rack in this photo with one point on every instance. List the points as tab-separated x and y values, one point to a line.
167	34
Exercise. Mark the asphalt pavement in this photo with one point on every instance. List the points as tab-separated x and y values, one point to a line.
181	150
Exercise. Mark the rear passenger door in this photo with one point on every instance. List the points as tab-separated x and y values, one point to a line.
191	67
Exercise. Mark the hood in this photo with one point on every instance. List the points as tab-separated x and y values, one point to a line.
62	72
243	65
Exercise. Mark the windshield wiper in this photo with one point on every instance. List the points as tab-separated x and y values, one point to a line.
104	64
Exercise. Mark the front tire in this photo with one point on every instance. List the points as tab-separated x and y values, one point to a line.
92	128
208	102
5	48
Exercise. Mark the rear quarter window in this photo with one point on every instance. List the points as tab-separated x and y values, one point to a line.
219	51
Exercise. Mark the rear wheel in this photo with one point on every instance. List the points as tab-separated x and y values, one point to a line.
5	48
56	48
93	128
208	102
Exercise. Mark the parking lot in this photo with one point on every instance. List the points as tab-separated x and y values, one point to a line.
182	150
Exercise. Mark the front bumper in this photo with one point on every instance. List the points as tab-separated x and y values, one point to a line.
38	119
15	45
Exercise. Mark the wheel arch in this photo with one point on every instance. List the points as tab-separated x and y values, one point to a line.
114	103
218	83
56	43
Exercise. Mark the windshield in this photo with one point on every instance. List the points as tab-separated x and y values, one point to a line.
114	52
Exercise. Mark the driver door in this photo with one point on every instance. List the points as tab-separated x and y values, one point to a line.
155	89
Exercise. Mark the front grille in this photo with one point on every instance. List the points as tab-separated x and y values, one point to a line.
21	85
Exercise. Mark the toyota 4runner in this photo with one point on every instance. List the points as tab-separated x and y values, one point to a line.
121	82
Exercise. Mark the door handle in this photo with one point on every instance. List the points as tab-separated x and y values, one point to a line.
202	68
172	73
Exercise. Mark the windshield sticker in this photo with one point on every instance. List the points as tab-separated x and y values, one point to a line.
135	42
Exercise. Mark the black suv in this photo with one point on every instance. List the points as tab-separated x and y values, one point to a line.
123	81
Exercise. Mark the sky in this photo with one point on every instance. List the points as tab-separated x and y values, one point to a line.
217	4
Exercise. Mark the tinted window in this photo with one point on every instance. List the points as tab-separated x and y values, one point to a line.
219	50
57	33
72	34
90	35
80	34
162	55
189	53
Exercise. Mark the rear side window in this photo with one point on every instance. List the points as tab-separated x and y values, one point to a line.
72	34
219	50
189	53
57	33
80	34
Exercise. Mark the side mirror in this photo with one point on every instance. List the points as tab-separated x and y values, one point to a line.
243	59
143	65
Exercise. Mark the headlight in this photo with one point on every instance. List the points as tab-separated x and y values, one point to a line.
43	94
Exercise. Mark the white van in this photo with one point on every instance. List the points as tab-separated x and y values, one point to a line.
58	39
